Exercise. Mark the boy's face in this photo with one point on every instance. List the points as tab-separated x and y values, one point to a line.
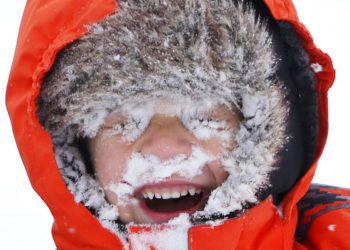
166	138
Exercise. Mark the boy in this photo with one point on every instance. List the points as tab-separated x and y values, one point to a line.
177	119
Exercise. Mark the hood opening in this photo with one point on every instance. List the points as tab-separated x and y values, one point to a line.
285	122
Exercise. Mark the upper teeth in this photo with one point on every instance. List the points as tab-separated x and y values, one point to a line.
170	193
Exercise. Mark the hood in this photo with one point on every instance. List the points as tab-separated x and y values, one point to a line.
48	27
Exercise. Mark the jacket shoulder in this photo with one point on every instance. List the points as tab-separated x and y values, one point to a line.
324	218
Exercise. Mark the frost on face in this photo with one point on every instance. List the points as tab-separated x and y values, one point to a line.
141	170
248	164
137	120
251	161
150	169
205	128
145	169
194	116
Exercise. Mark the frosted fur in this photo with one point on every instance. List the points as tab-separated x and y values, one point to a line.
250	163
196	50
212	51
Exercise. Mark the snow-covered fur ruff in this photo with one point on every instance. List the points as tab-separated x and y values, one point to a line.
177	49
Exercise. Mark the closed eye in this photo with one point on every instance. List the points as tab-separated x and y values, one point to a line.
211	123
114	126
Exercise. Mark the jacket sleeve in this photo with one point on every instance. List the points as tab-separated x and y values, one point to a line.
324	219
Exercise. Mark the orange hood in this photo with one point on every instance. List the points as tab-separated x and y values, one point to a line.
48	26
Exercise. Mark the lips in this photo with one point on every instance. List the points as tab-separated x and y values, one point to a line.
164	201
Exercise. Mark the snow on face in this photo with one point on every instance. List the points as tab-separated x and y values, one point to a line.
243	166
141	170
194	117
121	168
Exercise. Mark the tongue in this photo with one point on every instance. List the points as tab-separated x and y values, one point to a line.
173	205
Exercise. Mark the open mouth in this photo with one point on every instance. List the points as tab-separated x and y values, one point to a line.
162	202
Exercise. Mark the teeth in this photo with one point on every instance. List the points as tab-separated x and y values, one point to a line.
175	194
184	192
192	191
150	195
167	194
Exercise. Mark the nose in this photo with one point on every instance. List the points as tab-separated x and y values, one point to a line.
166	138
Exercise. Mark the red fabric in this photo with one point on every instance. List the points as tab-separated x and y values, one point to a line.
309	214
330	231
47	26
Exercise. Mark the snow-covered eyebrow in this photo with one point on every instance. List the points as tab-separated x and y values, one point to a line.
114	119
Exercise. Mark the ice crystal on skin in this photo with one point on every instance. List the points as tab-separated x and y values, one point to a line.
194	116
248	164
141	170
137	120
204	129
124	193
150	169
173	237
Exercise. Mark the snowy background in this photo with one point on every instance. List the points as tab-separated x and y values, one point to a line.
25	221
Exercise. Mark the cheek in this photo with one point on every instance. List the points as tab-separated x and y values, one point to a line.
218	172
109	160
216	169
213	145
217	146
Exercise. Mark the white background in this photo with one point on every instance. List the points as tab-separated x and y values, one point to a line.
25	221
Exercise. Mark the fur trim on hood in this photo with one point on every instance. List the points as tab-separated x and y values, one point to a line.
220	51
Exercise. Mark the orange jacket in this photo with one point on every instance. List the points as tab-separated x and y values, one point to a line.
47	27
